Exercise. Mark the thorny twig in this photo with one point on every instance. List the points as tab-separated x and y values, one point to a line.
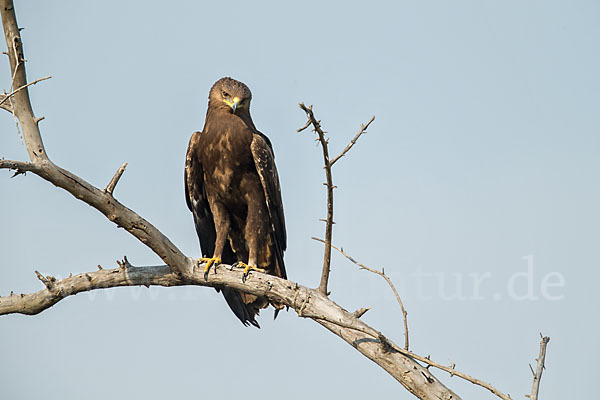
537	375
11	94
453	372
363	129
387	279
329	223
330	186
451	369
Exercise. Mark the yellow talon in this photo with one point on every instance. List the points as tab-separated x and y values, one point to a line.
247	269
209	262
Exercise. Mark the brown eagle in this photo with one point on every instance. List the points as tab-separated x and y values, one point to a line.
232	189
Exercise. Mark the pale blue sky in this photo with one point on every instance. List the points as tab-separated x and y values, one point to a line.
484	151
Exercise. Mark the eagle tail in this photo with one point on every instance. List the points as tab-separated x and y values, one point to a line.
244	312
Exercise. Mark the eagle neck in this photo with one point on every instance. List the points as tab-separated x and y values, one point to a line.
224	116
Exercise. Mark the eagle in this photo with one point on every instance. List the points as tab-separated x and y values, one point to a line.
232	189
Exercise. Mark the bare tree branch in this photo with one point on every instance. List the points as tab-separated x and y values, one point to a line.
451	369
11	94
537	375
329	183
387	279
363	129
308	303
453	372
34	303
21	105
329	223
422	384
308	122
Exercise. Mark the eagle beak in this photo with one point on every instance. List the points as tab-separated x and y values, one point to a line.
236	101
233	103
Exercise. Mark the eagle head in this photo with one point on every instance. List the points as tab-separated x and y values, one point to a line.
231	95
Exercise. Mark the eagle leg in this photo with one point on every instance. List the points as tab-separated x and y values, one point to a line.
209	262
247	269
223	224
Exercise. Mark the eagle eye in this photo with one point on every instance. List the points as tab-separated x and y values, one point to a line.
225	94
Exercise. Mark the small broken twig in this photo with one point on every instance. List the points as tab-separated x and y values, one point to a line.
115	179
361	311
48	281
124	264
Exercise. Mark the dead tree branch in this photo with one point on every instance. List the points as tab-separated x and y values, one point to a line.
308	303
363	129
537	375
329	223
56	290
21	105
327	164
387	279
11	94
453	372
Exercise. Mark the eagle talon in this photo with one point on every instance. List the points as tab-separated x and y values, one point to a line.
209	262
247	269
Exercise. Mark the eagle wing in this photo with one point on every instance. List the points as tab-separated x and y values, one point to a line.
264	160
197	201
